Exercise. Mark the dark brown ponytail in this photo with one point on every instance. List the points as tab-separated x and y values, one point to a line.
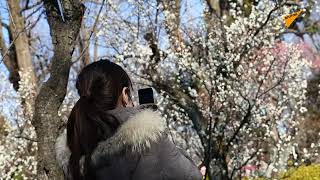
99	85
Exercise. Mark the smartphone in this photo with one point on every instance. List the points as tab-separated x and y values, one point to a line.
145	96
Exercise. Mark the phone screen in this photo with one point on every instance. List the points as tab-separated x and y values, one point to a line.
145	96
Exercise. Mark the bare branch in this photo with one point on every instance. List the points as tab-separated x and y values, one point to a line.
28	7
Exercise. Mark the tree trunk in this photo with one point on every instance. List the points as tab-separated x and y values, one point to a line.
2	128
46	120
28	81
95	47
9	59
172	23
20	39
84	47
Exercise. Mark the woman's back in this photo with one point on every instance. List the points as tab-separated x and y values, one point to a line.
139	150
108	138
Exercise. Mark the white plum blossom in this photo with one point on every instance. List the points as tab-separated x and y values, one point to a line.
237	73
17	138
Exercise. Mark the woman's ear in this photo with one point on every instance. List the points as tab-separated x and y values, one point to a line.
126	100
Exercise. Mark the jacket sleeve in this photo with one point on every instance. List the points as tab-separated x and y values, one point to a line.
184	160
166	162
183	152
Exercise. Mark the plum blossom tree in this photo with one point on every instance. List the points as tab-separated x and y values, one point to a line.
18	144
40	118
242	89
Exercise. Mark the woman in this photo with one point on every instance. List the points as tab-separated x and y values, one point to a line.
109	139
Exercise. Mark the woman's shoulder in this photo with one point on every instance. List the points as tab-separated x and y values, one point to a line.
134	136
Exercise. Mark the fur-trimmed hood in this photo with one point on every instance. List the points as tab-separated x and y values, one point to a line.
139	126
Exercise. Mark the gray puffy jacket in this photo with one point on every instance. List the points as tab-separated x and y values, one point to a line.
139	150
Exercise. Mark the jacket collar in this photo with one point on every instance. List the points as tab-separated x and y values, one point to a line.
140	126
124	113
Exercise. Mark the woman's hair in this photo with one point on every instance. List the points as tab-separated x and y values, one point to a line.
99	85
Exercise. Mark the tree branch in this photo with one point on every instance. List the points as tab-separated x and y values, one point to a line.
46	122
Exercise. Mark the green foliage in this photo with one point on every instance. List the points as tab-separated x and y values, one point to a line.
18	176
302	172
